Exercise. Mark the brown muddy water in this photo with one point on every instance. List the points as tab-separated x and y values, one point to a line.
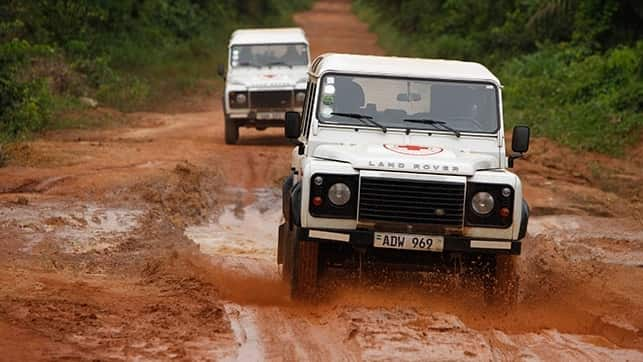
560	316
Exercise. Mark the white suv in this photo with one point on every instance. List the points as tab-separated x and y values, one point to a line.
402	161
266	77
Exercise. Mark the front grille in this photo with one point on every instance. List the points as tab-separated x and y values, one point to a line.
270	99
411	202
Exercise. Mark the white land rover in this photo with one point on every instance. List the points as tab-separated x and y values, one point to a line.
266	77
402	161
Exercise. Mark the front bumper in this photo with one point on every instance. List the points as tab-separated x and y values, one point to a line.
364	239
260	118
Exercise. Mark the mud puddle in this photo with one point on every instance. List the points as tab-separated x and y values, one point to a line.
80	228
241	246
247	226
606	240
382	323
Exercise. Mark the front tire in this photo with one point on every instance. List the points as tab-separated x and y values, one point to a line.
231	131
301	265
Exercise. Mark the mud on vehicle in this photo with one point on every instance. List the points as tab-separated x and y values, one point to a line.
266	77
402	161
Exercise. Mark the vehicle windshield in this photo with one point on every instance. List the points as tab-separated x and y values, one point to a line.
263	55
409	103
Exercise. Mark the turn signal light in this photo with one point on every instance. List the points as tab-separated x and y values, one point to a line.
317	201
504	212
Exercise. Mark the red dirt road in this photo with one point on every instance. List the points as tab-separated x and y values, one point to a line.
156	240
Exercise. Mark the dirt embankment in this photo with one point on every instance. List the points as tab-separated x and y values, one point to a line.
154	240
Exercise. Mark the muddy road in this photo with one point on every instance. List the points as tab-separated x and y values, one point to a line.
157	241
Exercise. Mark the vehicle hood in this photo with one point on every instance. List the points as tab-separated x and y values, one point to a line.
408	158
268	77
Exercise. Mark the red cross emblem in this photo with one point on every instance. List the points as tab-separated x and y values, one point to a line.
413	147
414	150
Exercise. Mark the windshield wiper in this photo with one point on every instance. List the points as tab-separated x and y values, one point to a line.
278	63
443	124
249	64
365	119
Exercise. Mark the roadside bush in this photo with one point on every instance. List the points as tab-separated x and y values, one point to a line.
24	103
590	102
124	92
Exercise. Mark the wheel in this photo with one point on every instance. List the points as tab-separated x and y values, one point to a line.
306	269
501	280
301	265
231	131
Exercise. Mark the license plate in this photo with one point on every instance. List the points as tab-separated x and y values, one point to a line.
270	115
408	241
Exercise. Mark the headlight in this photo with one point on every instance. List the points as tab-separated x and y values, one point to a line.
331	196
299	97
339	194
482	203
241	98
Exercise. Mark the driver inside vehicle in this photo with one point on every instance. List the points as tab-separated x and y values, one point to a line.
350	96
410	103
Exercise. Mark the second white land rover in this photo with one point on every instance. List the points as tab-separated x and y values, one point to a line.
402	161
266	77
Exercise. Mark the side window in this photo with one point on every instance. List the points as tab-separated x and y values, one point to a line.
304	110
310	91
310	99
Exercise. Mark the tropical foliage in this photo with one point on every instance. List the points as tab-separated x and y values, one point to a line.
125	52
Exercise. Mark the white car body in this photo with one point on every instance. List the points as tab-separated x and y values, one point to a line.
436	156
253	81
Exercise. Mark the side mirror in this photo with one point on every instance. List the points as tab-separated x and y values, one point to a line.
519	143
520	139
293	125
221	70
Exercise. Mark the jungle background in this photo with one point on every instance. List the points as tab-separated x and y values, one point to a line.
130	55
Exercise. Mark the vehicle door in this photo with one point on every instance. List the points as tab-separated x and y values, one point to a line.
299	153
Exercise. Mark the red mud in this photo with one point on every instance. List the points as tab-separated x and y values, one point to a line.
95	262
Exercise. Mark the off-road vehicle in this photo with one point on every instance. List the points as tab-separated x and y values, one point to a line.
401	161
266	77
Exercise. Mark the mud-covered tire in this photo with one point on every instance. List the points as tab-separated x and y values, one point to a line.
306	269
301	266
231	131
501	280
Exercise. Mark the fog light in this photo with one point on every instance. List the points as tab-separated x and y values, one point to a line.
318	180
317	201
506	192
504	212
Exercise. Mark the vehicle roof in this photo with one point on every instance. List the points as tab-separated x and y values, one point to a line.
401	67
268	36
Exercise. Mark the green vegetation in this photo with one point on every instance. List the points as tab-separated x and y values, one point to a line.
572	69
128	54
